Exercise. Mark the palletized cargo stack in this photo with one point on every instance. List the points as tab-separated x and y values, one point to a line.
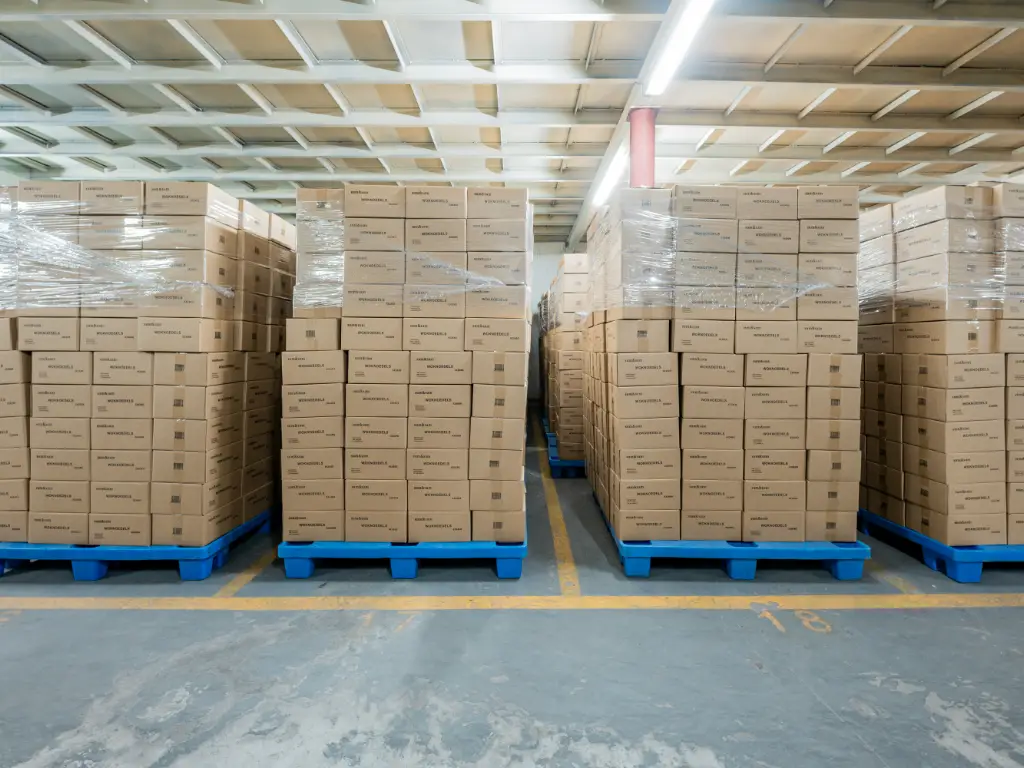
433	285
564	367
952	379
763	311
881	423
137	395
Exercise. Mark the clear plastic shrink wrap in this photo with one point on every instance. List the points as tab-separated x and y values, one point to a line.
53	257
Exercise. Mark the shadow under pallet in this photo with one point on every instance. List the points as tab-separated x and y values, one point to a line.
300	559
561	467
90	563
961	564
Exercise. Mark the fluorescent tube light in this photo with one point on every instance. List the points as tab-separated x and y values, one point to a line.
677	43
612	177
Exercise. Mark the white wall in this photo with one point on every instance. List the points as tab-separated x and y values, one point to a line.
546	257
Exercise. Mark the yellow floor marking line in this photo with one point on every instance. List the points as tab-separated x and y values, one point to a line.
245	577
568	576
756	603
879	571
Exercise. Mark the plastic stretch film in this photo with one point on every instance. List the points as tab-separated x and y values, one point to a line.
138	265
365	267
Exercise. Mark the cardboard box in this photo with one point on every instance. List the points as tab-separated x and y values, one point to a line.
59	433
66	496
963	529
379	367
313	495
169	334
430	301
376	495
131	368
837	496
833	434
830	235
827	269
828	202
712	434
191	233
58	528
119	498
438	463
377	526
775	370
504	527
774	526
376	432
197	435
431	334
500	402
775	203
440	367
949	337
497	495
704	202
312	335
317	432
364	300
659	368
46	463
375	267
375	464
637	336
435	235
57	334
125	402
958	468
377	400
487	464
645	525
705	336
196	466
769	237
774	465
375	234
449	496
823	336
121	434
190	198
308	401
14	525
506	268
196	530
710	526
783	434
644	402
198	370
506	301
713	402
16	367
712	495
699	369
833	466
436	268
706	235
497	434
311	464
375	200
955	371
774	495
974	404
438	432
835	402
767	337
111	198
497	203
831	526
194	499
14	432
119	465
656	463
980	498
435	203
61	367
775	403
48	400
512	235
955	437
701	464
641	433
324	525
833	370
495	335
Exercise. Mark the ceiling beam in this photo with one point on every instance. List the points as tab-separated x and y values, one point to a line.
979	102
100	42
21	52
905	141
177	98
196	40
979	49
297	42
882	47
783	49
833	152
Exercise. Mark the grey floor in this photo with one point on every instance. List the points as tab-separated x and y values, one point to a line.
607	688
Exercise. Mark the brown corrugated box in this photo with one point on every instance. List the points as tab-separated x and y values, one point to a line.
376	432
501	402
963	528
119	465
197	530
119	498
14	399
710	434
837	336
15	367
495	335
14	432
46	463
194	498
381	526
947	337
312	335
48	333
832	496
774	465
833	370
783	434
775	403
326	525
375	234
497	203
656	463
438	496
197	435
500	367
375	267
642	433
61	367
831	526
703	369
833	434
319	432
774	495
956	468
506	527
443	401
66	496
14	526
713	402
57	528
487	464
198	370
645	402
436	334
375	464
438	463
59	433
166	334
980	498
974	404
122	402
645	525
766	337
836	402
377	400
313	400
701	464
833	466
440	367
374	200
131	368
121	434
312	463
313	495
637	336
498	495
376	495
774	526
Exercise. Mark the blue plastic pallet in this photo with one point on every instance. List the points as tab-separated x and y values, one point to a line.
961	564
91	563
845	561
300	559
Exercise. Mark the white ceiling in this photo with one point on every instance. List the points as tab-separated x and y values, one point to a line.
262	96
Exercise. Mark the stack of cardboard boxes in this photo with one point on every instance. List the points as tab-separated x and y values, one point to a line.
563	391
430	285
939	413
143	414
763	306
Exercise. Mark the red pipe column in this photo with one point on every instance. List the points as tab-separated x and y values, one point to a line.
641	147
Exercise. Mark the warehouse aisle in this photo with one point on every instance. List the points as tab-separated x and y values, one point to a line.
274	683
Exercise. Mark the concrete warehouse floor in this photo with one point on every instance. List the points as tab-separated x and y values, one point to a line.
574	665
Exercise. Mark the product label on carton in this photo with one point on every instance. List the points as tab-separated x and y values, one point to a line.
785	434
377	400
443	401
774	465
712	434
766	337
713	402
376	432
774	495
712	495
775	403
375	464
321	432
700	464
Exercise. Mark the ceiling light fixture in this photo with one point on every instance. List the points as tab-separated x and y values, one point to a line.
677	43
612	176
